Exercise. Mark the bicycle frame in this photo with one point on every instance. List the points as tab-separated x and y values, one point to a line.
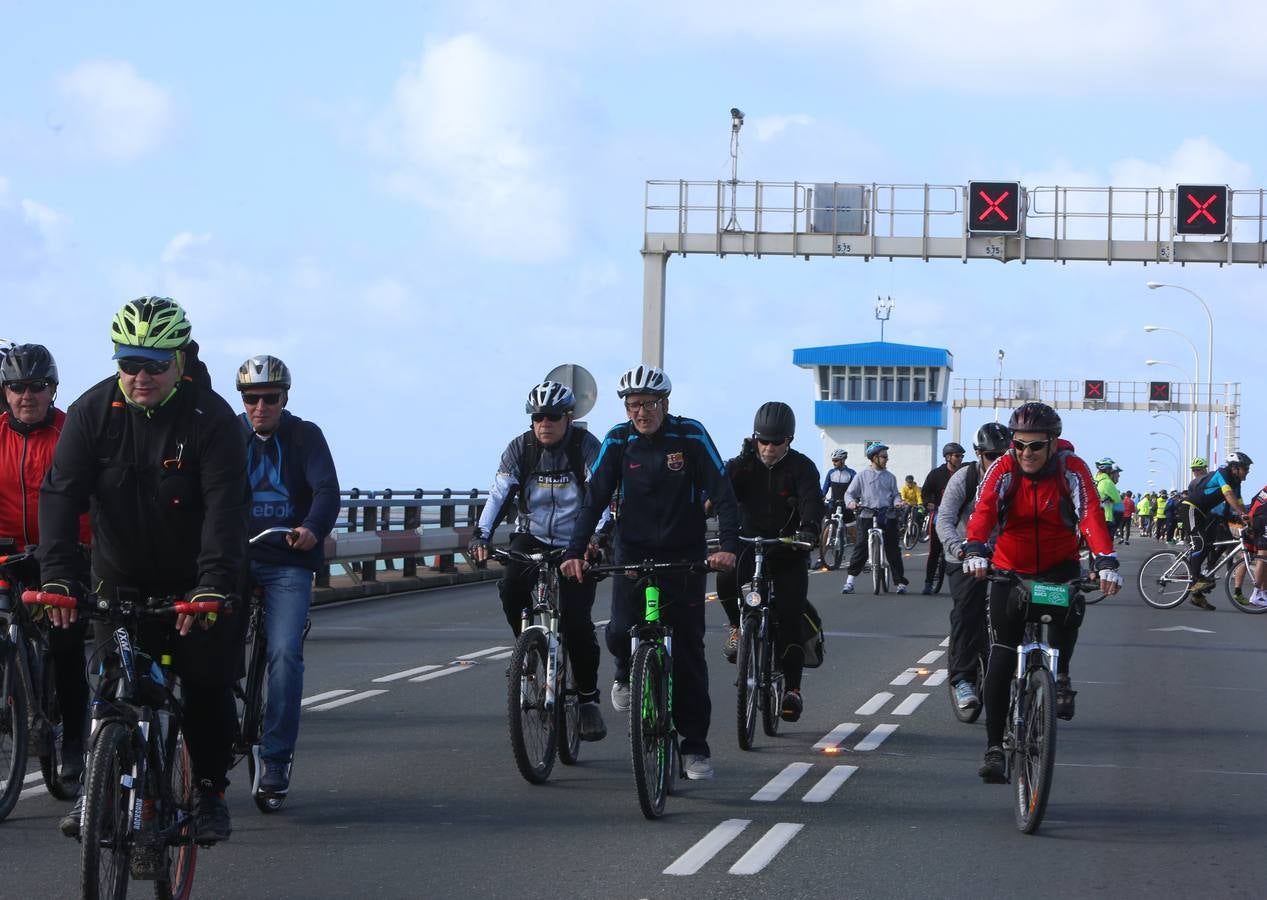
545	609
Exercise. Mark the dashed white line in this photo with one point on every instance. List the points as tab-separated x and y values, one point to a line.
875	738
909	705
836	736
441	673
938	677
707	847
408	673
829	784
945	642
344	701
507	655
764	850
931	657
317	698
778	785
874	705
905	678
478	653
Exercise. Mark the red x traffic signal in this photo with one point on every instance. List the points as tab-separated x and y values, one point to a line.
1093	389
1201	209
994	207
1159	391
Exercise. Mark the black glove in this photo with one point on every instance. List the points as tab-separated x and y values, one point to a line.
1100	563
975	548
206	592
475	544
67	588
808	537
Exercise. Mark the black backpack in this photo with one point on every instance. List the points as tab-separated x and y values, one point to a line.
531	459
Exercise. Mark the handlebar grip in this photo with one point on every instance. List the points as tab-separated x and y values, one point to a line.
45	598
196	607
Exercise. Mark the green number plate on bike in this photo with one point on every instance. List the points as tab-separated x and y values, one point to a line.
1050	594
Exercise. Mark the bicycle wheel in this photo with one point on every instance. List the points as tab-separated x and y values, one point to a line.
51	762
771	687
1035	755
13	745
534	728
106	839
939	574
176	877
875	551
650	728
910	534
747	681
1243	604
1164	580
568	703
837	551
925	531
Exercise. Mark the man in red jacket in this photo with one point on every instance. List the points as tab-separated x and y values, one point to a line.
1031	507
28	433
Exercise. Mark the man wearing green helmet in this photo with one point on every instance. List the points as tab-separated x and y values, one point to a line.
159	458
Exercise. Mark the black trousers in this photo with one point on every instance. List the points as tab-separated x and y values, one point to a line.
892	550
790	579
576	607
66	645
968	637
935	551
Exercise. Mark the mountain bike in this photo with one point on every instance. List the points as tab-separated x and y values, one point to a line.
759	679
881	577
542	704
835	539
138	814
653	736
1165	579
913	527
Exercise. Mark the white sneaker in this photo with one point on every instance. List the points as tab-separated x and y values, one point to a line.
698	767
901	589
1258	599
620	696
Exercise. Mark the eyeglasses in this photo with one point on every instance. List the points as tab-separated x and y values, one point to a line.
648	405
268	399
21	387
546	417
1022	446
135	366
766	442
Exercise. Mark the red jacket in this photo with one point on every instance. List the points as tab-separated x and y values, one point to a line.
1128	506
24	458
1037	521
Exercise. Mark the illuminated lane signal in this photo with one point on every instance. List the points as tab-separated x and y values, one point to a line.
1159	391
994	207
1093	389
1201	209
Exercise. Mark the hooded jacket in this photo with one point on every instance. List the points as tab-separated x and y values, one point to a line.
26	452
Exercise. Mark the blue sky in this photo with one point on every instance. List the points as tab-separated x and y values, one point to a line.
423	208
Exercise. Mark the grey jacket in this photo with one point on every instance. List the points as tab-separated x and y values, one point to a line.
951	527
874	488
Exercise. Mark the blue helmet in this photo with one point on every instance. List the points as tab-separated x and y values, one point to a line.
875	447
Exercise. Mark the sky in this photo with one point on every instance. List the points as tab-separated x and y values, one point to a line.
424	207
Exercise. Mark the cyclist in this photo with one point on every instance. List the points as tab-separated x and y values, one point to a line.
876	489
1214	500
1032	505
1159	515
777	490
1106	488
835	483
967	615
1198	467
159	458
657	465
541	477
909	492
293	480
1255	538
1128	517
934	484
1145	511
28	433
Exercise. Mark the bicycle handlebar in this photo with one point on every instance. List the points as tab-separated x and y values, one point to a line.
648	567
770	542
168	607
1003	576
541	556
276	529
12	558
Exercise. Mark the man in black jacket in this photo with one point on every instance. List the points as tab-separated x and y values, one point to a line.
778	493
159	460
934	487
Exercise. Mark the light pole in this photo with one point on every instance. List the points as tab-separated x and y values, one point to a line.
1168	436
1196	369
1189	427
1178	462
1209	358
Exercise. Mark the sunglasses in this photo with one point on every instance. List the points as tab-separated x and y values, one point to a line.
1022	446
21	387
648	405
546	417
135	366
766	442
268	399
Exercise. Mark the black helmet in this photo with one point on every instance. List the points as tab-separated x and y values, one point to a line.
992	437
1035	417
28	362
950	448
1235	458
774	421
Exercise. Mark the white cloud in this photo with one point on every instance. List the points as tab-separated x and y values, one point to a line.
770	127
30	234
1196	160
177	246
114	112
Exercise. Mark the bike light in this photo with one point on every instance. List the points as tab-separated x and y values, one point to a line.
751	595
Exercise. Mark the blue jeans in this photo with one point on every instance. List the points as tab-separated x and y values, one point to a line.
287	597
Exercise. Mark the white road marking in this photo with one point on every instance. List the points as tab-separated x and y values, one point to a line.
1184	628
478	653
905	678
764	850
836	736
317	698
829	784
778	785
909	705
875	738
408	673
707	847
931	657
344	701
938	677
32	791
945	642
32	776
507	655
441	673
874	705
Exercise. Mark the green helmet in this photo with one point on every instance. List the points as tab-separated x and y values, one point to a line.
1198	462
155	323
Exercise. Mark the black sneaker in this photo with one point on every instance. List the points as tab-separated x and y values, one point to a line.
211	818
993	768
792	706
275	779
69	825
72	767
591	726
1064	698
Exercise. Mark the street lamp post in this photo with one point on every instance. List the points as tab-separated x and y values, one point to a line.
1196	368
1209	358
1190	423
1178	462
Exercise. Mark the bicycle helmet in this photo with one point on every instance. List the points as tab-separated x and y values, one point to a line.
950	448
644	380
1035	416
28	362
839	454
1198	462
1237	458
262	372
992	437
875	447
550	397
774	421
150	327
1104	464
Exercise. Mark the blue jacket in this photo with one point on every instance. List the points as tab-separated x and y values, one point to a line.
293	482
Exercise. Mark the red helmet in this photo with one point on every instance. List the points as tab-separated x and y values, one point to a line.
1035	417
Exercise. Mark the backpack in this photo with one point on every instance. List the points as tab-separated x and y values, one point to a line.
973	479
531	459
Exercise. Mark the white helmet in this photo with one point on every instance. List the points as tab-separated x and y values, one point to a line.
839	454
550	397
644	380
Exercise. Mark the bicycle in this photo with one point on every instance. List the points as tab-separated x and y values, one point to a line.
881	577
30	717
835	539
913	530
653	736
1165	578
759	678
138	816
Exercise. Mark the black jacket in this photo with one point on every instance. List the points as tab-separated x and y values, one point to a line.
935	485
777	501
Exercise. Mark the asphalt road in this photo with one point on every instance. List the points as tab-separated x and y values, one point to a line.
405	786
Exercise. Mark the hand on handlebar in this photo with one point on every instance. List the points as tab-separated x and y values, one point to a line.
573	568
301	538
721	561
58	616
185	621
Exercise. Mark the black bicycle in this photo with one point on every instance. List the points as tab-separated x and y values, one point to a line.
30	716
138	814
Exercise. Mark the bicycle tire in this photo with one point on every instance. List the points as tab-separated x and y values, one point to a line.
1035	755
837	548
13	722
105	843
925	531
1164	580
771	696
747	681
568	703
910	534
939	575
534	729
176	878
968	716
1245	606
50	763
650	729
875	552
